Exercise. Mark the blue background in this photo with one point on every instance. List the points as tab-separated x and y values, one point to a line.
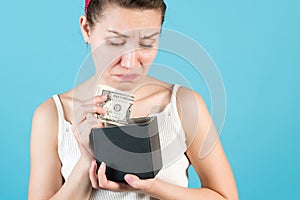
255	45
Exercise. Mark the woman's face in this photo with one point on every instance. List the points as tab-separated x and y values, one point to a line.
124	43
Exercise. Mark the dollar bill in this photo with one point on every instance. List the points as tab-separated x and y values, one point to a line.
117	105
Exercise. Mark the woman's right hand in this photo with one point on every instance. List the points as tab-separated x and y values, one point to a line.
84	119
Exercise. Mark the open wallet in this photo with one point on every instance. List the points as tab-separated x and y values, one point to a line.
129	149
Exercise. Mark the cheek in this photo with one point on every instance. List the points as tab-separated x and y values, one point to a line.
96	40
148	59
96	44
147	56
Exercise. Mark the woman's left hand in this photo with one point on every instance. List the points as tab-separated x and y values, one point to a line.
99	181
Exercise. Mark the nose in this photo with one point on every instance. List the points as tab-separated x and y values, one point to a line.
130	60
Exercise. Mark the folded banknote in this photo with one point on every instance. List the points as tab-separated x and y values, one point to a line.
117	105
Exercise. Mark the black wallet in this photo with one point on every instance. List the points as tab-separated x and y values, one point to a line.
130	149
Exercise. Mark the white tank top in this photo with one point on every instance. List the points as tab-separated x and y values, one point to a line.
173	148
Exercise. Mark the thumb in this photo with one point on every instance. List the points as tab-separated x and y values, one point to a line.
137	183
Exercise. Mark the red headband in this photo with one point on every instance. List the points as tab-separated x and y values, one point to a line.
87	3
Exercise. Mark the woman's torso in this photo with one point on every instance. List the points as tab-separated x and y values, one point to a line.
161	102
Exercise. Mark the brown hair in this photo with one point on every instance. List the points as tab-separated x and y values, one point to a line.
95	8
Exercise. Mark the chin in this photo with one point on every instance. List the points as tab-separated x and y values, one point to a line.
125	86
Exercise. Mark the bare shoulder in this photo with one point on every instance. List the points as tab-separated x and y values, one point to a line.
46	114
45	121
193	113
189	100
186	94
47	110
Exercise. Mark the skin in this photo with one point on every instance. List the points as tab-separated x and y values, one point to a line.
46	181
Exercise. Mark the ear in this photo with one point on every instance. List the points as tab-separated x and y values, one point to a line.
85	28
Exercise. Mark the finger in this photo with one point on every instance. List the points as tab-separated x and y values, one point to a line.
132	180
91	105
110	185
93	175
93	108
96	99
85	127
84	110
137	183
119	187
94	120
101	175
83	130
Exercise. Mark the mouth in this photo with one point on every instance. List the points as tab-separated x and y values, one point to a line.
126	77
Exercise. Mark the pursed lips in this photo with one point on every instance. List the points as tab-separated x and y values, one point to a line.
127	77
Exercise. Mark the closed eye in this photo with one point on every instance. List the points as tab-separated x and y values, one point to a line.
116	41
146	46
147	43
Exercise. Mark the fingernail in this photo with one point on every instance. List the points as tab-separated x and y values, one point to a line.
102	166
131	179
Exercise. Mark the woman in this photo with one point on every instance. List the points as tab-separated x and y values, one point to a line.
124	36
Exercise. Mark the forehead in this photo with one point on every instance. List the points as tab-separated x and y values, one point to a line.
126	20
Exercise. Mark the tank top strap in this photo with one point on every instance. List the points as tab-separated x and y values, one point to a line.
60	113
174	104
174	93
59	107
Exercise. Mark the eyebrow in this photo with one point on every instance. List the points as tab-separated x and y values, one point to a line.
126	36
150	36
119	34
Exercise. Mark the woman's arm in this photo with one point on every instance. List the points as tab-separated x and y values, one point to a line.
204	147
205	153
45	175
